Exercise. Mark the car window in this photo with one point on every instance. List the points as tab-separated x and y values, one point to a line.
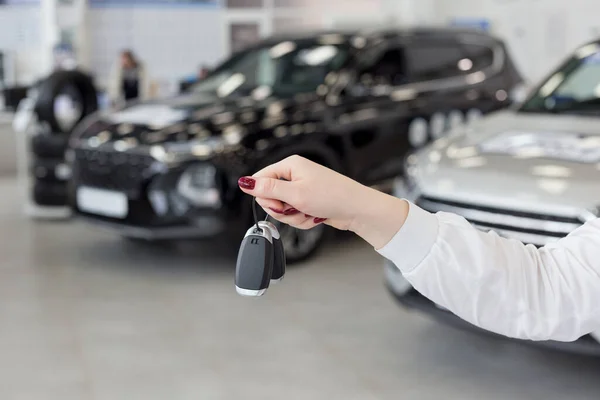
477	57
582	84
386	66
435	60
286	68
575	86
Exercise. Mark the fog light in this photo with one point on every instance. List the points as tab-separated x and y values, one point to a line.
198	185
159	202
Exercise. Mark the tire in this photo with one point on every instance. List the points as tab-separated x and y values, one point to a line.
50	194
51	170
301	244
49	146
77	84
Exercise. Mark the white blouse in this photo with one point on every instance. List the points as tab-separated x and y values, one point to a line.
499	284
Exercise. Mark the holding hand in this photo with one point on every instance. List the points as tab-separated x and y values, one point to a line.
301	193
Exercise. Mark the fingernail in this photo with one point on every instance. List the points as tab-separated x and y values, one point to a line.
291	211
247	183
276	211
320	220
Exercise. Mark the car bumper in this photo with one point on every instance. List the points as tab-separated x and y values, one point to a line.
149	201
203	228
409	298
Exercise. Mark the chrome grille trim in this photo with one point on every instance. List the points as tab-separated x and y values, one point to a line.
537	229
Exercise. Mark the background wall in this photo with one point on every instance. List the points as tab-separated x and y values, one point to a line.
20	37
172	42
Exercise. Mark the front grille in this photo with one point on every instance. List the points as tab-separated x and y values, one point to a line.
118	171
529	227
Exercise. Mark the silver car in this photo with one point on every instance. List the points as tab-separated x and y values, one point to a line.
530	173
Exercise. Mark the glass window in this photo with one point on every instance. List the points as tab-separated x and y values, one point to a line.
429	61
479	57
575	86
383	66
286	68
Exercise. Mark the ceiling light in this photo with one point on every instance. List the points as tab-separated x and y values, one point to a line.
552	84
333	38
201	150
231	84
552	171
158	152
553	186
465	64
435	156
261	92
473	162
476	77
461	152
587	50
282	49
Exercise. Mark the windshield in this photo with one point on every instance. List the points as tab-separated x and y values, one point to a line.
574	87
286	68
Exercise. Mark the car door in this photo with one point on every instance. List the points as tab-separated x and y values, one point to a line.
369	118
448	85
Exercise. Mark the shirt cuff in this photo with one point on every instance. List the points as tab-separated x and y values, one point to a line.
413	242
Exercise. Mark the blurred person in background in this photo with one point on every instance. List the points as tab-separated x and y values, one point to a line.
128	80
203	72
498	284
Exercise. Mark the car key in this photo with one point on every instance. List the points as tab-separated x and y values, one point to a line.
279	256
255	262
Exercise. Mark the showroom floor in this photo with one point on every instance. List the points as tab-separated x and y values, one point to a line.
86	316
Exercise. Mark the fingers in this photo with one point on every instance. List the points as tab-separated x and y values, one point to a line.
280	170
269	188
288	215
275	206
295	219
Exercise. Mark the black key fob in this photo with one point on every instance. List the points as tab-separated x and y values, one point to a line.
279	256
254	263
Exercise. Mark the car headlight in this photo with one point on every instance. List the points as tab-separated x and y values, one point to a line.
519	93
198	185
406	186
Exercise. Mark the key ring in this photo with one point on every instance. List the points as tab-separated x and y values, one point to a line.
255	214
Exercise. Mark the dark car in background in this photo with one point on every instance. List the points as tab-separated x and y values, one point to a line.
355	102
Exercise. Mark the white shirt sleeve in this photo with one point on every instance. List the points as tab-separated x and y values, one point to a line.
502	285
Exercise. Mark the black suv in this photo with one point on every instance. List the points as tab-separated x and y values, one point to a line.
355	102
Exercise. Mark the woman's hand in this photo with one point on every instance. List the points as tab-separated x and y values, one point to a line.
301	193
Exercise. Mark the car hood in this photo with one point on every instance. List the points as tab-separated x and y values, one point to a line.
190	117
516	160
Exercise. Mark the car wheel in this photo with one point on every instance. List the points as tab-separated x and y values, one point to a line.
50	194
301	244
64	99
49	146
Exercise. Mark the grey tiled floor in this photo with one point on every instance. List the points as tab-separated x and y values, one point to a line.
85	316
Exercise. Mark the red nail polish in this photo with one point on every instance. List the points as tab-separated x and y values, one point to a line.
320	220
291	211
276	211
247	183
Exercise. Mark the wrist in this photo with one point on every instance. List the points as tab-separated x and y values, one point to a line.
378	217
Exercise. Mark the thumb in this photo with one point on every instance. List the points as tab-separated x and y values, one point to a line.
268	188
